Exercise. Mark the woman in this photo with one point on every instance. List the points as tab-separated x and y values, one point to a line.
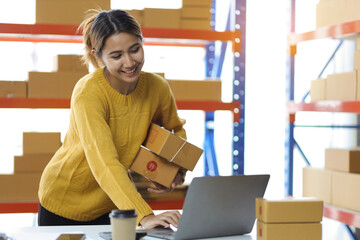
111	110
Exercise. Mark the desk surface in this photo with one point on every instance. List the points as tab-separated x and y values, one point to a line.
92	233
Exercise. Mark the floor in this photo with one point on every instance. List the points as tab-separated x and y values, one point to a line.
332	230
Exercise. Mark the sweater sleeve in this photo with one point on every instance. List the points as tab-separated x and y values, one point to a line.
90	113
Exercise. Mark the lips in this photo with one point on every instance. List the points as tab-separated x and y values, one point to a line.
130	71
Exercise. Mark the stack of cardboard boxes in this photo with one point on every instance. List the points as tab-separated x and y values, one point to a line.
163	154
289	218
335	184
339	86
38	148
68	69
193	15
330	12
16	89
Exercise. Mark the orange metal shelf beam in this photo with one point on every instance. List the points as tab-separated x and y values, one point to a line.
32	207
348	217
325	106
336	30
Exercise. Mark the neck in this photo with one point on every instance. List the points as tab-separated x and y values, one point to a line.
120	86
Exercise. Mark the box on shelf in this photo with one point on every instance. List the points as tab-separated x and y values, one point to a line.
203	3
41	142
317	182
17	89
69	63
289	210
161	18
53	84
172	147
201	24
19	187
138	15
341	86
318	89
357	58
196	12
203	90
34	163
331	12
345	191
286	231
345	160
66	11
154	167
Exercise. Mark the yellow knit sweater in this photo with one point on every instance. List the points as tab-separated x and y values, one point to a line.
88	175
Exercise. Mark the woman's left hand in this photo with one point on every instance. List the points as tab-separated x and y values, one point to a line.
178	180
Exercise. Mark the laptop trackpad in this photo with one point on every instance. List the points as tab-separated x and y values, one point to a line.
164	233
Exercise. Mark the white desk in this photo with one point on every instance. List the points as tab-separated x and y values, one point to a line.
92	233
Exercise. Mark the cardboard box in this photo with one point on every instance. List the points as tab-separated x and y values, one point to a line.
345	190
19	187
161	18
341	86
52	84
289	210
203	3
66	11
345	160
69	63
172	147
154	167
16	89
317	182
202	24
41	142
138	15
203	90
287	231
31	163
318	89
196	12
357	44
357	58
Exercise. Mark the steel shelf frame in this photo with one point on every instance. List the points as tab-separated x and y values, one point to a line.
345	216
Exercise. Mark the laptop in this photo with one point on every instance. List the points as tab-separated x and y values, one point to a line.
217	206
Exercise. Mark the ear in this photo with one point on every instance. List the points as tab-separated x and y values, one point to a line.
96	56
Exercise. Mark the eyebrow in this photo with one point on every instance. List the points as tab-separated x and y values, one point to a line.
120	51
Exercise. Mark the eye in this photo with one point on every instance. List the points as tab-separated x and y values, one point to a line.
135	50
117	56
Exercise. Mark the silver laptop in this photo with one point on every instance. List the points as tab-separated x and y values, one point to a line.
217	206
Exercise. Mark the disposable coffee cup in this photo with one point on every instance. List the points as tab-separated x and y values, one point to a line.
123	224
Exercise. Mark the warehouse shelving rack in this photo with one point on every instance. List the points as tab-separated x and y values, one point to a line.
153	36
348	217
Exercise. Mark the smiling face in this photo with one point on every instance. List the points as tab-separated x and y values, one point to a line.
123	57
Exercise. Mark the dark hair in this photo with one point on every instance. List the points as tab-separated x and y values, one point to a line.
99	25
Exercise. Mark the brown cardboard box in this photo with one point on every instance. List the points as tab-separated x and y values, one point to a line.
16	89
172	147
357	58
138	15
317	183
289	210
161	18
203	3
202	24
203	90
52	84
154	167
345	160
69	63
41	142
19	187
341	86
66	11
196	12
345	191
287	231
357	44
31	163
318	89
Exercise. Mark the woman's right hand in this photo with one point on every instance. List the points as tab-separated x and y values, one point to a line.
164	219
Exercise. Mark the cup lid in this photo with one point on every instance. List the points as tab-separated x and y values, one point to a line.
117	213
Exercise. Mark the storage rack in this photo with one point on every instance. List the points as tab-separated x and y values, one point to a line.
153	36
348	217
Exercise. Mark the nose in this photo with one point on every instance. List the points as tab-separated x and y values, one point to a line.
128	60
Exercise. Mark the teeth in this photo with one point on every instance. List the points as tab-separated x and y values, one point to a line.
130	71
